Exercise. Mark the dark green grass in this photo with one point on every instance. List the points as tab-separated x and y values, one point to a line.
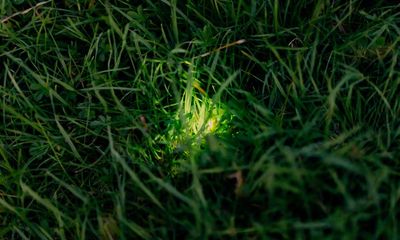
203	119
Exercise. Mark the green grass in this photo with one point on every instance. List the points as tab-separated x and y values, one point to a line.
205	119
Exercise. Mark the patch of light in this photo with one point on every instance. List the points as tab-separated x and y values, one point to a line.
192	124
197	116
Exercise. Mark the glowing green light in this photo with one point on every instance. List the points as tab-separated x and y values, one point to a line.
211	125
197	115
195	121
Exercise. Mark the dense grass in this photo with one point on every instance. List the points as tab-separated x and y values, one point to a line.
199	119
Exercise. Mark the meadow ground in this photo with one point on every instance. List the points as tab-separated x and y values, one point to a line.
199	119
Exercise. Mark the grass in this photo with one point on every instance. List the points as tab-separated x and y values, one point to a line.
205	119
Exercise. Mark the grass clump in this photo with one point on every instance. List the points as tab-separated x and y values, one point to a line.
199	119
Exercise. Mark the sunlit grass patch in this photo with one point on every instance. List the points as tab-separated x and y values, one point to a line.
197	115
193	122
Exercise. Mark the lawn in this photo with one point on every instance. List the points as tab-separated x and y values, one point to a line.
199	119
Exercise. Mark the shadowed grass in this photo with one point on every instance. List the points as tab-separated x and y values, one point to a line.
201	119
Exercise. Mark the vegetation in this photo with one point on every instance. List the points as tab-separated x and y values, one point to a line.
199	119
